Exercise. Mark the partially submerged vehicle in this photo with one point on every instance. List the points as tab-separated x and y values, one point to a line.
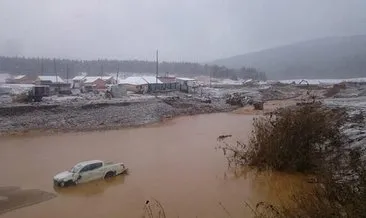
88	171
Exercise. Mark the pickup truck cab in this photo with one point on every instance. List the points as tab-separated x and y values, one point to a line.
88	171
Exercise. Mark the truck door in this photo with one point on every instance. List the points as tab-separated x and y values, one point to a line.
85	174
97	171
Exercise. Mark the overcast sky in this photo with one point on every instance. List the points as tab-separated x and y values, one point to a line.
182	30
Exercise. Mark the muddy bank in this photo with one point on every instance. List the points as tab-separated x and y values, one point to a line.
12	198
84	117
84	113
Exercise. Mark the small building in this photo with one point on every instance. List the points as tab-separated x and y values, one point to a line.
93	83
135	84
109	79
187	85
78	81
56	84
47	80
169	82
142	84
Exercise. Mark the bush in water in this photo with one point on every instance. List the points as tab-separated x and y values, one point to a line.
308	139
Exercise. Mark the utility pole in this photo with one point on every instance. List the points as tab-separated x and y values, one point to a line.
101	71
54	68
157	65
210	77
42	67
117	72
87	68
67	73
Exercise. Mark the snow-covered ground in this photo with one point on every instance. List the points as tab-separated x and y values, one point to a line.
321	81
14	88
358	102
3	77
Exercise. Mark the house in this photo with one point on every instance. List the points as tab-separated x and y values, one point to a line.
92	83
135	84
167	79
47	80
56	84
109	79
20	79
187	85
78	81
169	82
141	84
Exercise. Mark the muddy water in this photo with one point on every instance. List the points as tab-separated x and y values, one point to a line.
175	163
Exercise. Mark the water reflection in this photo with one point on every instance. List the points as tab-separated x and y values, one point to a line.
93	188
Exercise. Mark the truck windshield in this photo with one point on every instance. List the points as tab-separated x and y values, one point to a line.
76	168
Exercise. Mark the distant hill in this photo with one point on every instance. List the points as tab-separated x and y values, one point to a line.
335	57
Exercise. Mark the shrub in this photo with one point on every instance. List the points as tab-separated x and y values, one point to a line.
307	138
291	139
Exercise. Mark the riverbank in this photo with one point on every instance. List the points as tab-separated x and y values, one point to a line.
21	119
77	113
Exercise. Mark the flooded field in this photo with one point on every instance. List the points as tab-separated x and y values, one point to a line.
174	162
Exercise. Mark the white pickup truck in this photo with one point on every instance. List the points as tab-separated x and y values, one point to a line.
88	171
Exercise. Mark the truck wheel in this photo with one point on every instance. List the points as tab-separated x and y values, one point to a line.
66	184
109	175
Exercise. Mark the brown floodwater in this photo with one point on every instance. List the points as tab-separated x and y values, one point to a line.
174	162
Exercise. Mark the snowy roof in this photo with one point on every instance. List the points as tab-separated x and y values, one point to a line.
53	79
151	79
133	80
107	77
139	80
185	79
91	79
19	77
81	77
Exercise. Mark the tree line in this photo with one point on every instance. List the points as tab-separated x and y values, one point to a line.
69	68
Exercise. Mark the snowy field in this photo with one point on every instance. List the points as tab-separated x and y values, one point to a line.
3	77
320	81
14	88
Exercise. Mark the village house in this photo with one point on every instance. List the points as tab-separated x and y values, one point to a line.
78	81
90	83
141	84
187	85
55	83
169	82
93	83
109	79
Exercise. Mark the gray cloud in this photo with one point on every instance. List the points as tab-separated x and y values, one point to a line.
185	30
